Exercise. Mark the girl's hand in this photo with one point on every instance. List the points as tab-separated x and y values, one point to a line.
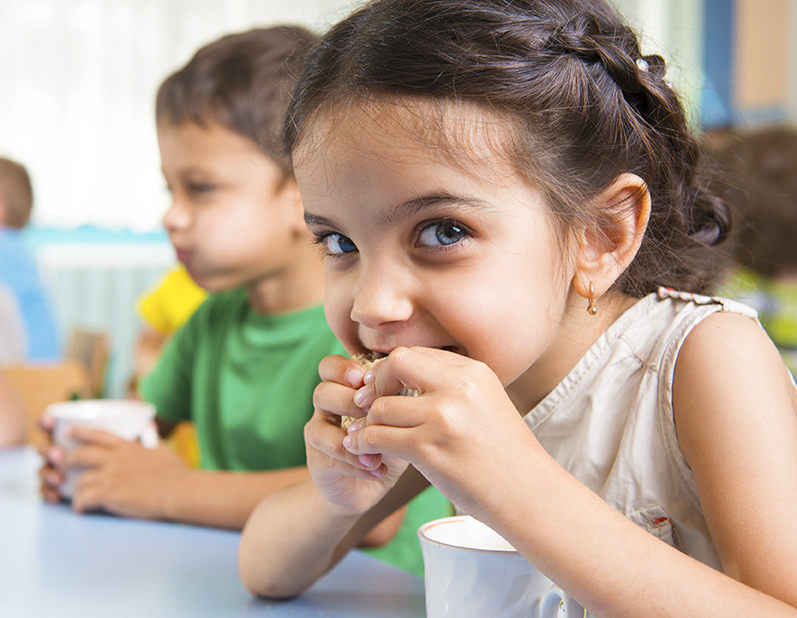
462	432
354	483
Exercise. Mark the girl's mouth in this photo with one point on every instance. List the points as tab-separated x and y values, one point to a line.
375	354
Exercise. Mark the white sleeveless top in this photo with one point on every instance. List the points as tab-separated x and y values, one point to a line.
610	421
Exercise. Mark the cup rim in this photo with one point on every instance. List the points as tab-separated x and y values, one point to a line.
90	409
459	519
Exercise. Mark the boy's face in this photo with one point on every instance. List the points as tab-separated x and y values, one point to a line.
424	252
229	221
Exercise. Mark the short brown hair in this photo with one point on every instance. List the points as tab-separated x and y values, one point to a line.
242	81
17	193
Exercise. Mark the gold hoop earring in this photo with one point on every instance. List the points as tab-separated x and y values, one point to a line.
591	308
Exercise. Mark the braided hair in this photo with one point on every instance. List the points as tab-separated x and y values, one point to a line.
582	105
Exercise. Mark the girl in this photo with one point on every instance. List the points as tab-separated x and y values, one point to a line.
507	197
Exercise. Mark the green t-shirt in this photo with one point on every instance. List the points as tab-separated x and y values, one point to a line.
246	380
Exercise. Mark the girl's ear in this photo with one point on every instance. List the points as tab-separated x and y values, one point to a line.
607	247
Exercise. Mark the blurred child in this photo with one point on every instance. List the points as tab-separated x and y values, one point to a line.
13	418
509	200
244	366
762	182
18	270
12	328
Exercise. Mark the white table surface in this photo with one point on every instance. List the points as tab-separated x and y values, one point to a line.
54	562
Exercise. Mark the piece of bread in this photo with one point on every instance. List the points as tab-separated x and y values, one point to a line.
367	361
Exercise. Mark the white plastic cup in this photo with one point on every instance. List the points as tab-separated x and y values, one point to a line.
472	572
128	419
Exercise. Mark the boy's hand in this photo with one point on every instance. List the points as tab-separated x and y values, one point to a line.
122	477
462	432
51	473
353	483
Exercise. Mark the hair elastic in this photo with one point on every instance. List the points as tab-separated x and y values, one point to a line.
591	308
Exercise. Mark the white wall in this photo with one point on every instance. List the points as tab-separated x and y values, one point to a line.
77	85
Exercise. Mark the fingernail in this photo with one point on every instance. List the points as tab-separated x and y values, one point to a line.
347	442
379	472
354	377
367	460
359	396
355	426
368	377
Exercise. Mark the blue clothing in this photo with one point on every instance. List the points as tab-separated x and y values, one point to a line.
20	275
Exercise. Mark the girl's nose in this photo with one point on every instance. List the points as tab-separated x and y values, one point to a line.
380	298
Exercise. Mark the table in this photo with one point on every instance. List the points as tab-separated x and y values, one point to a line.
54	562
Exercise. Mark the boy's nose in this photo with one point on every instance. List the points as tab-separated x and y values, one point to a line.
176	217
381	297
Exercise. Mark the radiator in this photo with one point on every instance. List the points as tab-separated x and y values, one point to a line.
96	285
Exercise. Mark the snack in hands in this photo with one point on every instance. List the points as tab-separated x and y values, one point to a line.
367	361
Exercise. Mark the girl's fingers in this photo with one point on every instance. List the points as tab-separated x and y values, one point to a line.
325	441
336	399
342	370
418	369
393	441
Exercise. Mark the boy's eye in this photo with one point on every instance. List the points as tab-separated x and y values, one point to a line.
200	187
337	244
442	233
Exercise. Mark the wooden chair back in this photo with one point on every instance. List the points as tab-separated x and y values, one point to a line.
92	349
41	384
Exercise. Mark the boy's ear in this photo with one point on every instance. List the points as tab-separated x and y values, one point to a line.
293	199
607	247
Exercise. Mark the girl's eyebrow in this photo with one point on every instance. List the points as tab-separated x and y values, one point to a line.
434	200
410	208
318	221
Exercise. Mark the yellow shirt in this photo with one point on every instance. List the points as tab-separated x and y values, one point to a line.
171	302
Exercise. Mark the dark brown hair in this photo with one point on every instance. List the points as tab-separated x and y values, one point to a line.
242	81
17	193
760	182
583	106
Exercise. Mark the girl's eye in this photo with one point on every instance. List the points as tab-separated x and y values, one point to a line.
442	233
337	244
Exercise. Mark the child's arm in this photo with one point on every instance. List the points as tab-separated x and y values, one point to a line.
295	536
13	419
464	435
127	479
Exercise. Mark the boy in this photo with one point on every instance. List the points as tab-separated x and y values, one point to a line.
244	366
18	271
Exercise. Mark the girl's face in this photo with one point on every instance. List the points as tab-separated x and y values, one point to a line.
229	220
422	252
